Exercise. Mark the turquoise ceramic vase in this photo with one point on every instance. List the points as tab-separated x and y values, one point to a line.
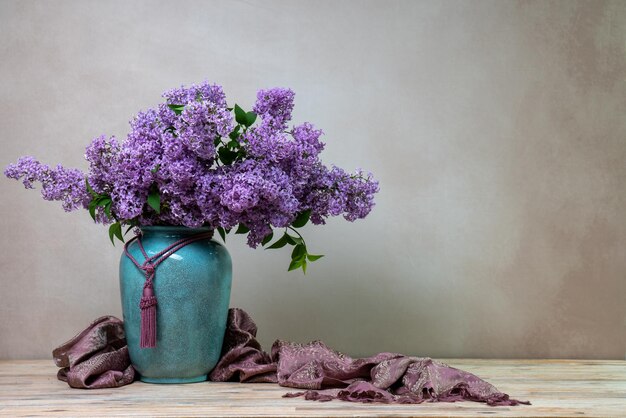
192	287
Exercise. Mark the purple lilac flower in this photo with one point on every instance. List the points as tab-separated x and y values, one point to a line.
200	123
352	195
274	106
63	184
204	92
263	180
102	157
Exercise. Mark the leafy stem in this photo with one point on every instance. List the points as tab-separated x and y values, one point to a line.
301	238
300	255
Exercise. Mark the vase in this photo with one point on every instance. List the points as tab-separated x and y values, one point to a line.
192	287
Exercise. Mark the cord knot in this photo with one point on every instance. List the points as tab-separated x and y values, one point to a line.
149	269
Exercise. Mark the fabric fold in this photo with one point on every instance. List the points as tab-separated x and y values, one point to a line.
98	358
242	358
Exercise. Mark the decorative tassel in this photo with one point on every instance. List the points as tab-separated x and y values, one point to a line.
148	317
148	332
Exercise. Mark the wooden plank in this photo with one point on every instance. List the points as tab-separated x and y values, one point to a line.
555	388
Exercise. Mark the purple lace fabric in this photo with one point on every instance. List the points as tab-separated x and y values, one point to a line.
98	358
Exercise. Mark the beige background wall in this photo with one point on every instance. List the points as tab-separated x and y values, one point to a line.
497	131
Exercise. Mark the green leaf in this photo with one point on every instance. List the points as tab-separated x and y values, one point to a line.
240	115
115	230
102	200
118	232
313	257
226	156
250	118
267	238
232	144
92	209
242	229
222	233
89	189
129	228
301	219
217	140
280	243
299	252
155	169
235	133
295	264
295	240
178	109
154	201
107	209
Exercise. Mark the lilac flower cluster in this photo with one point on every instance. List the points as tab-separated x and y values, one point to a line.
66	185
205	165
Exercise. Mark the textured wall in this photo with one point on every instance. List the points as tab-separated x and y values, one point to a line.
497	131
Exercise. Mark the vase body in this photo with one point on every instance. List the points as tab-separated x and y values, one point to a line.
192	287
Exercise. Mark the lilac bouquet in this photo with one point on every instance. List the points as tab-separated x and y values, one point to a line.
196	162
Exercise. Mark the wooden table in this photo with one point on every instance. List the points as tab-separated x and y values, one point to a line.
555	388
